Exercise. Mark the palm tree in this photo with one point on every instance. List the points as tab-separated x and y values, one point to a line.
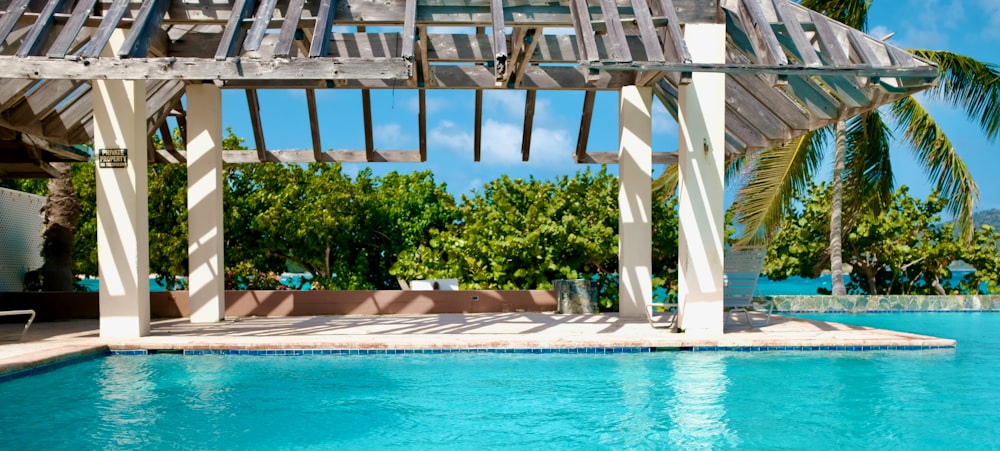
774	176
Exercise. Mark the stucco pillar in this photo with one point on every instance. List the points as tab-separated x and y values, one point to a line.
702	132
635	230
206	284
122	215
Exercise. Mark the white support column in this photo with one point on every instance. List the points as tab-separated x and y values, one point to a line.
122	212
635	226
702	131
206	284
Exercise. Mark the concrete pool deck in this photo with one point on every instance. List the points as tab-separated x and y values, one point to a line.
56	341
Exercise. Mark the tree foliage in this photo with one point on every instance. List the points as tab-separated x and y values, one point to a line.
906	249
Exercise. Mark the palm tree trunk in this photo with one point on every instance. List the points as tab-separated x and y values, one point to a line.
62	209
836	207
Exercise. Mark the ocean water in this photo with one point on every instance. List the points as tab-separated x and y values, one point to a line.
932	399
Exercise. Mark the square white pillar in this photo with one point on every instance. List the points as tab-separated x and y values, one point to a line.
206	284
635	225
701	159
122	211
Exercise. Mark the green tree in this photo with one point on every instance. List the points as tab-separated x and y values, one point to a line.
903	250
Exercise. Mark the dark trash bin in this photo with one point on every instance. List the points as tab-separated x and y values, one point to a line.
576	296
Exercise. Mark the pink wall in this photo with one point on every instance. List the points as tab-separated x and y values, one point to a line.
174	304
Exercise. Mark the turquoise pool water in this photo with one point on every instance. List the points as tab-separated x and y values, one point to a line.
934	399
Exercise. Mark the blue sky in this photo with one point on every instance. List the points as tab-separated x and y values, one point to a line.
970	27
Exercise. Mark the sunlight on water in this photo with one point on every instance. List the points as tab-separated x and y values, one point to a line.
936	399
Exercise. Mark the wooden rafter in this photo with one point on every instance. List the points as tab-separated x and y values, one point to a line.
286	37
71	30
617	48
234	27
585	119
366	105
317	146
321	34
144	28
305	156
422	123
103	33
477	144
43	24
258	130
500	53
529	119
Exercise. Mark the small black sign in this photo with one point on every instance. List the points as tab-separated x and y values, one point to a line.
112	158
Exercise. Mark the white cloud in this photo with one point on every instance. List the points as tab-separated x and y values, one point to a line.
509	103
390	136
452	137
433	103
991	15
663	122
502	144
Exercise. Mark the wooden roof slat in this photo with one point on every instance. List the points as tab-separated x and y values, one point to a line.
366	106
260	22
304	156
258	130
101	36
584	31
40	102
144	28
234	27
522	56
409	30
617	45
14	11
793	27
423	78
647	32
314	124
499	42
477	145
813	97
422	123
765	43
321	34
529	120
283	48
829	44
71	30
585	119
43	24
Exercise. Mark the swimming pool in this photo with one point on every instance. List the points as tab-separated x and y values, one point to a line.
942	398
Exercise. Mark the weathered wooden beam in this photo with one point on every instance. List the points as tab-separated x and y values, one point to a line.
14	11
314	125
529	120
857	70
765	43
305	156
71	30
584	31
529	51
585	119
650	40
796	32
108	24
499	43
477	144
30	45
366	106
618	50
828	43
234	27
198	69
144	29
321	34
409	30
422	123
283	47
260	24
612	158
253	103
423	78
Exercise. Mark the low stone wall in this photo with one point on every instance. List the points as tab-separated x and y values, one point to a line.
861	304
175	304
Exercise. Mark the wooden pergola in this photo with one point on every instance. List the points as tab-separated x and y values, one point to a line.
788	70
738	75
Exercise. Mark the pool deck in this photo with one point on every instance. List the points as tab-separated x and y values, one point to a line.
56	341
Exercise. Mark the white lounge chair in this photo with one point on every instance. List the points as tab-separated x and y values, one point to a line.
31	318
742	269
657	314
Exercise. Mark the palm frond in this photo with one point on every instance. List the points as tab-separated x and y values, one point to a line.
869	183
853	13
970	85
665	186
774	177
941	162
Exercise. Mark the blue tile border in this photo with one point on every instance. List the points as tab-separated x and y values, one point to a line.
52	366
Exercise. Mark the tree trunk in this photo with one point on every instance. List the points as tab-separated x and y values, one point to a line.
836	207
61	212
